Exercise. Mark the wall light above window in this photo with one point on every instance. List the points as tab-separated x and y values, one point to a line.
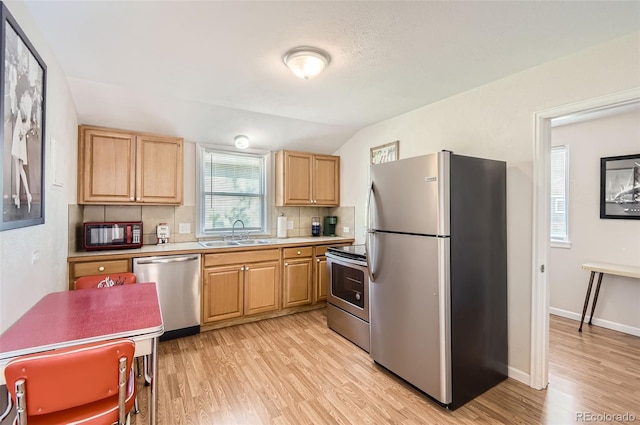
241	141
306	62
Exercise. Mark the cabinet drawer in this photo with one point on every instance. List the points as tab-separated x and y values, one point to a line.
322	249
212	260
100	267
306	251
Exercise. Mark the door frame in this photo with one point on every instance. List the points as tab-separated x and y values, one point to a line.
539	365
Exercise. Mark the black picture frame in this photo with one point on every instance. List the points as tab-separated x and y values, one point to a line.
23	74
620	187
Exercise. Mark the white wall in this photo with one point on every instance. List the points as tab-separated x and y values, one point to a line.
22	283
593	238
497	121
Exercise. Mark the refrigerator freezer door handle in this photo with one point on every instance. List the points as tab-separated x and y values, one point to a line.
370	255
370	232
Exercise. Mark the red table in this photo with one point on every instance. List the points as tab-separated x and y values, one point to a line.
64	319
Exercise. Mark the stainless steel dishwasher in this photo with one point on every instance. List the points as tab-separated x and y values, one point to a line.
178	280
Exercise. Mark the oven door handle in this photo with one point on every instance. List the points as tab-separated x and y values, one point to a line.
370	232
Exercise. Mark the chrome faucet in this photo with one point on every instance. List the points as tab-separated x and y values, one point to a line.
233	228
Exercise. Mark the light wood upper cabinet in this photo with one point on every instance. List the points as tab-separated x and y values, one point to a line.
159	170
326	180
306	179
120	167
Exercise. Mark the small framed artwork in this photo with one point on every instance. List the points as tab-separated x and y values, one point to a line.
24	76
620	187
385	153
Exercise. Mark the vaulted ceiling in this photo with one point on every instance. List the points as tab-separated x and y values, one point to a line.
210	70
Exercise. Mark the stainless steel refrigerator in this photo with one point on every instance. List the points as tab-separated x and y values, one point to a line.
436	251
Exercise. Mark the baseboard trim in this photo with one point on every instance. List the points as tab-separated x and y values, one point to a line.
519	375
598	322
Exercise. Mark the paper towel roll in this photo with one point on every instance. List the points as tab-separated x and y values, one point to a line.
282	227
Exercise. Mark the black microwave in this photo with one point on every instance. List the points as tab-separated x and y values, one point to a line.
112	235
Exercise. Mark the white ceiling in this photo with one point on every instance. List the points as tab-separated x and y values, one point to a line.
209	70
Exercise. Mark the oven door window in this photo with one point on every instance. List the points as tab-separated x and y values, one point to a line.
347	283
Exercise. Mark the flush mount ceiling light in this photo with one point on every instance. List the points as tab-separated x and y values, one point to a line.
242	141
306	62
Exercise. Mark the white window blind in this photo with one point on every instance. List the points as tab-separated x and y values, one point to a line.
232	188
559	211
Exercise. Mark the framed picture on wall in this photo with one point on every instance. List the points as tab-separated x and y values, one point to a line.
385	153
24	75
620	187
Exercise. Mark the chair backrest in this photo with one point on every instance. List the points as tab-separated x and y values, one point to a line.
74	385
105	280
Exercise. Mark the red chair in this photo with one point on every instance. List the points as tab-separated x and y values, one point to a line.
105	280
90	384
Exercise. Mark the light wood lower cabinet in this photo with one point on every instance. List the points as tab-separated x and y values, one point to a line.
222	293
261	287
322	279
297	279
88	268
240	284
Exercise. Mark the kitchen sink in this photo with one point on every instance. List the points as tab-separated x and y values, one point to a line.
254	242
244	242
218	244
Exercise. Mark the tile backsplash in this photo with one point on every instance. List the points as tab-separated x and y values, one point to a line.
301	219
152	215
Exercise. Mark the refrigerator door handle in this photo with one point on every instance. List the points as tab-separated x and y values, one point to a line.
370	232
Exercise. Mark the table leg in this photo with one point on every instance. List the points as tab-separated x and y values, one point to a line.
9	406
595	297
153	397
586	300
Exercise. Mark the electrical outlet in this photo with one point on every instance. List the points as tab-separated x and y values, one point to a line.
345	229
184	228
35	257
289	225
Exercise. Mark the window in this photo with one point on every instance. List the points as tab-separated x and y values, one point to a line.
232	186
559	218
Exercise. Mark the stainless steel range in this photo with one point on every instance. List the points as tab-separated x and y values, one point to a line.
348	298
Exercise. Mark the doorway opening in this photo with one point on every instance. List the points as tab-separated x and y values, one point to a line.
539	373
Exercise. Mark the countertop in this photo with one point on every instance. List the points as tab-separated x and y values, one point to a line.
195	247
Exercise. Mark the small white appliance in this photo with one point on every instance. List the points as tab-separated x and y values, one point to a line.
162	233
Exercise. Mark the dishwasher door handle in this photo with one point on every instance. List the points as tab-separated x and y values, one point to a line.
167	260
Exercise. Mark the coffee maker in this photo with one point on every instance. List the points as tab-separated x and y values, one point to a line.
330	222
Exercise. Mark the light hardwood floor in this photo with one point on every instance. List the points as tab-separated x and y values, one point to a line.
294	370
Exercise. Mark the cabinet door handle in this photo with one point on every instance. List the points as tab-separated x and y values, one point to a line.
132	198
138	199
318	260
286	264
242	268
101	268
298	252
246	268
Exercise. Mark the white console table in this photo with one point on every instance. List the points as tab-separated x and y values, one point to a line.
602	269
